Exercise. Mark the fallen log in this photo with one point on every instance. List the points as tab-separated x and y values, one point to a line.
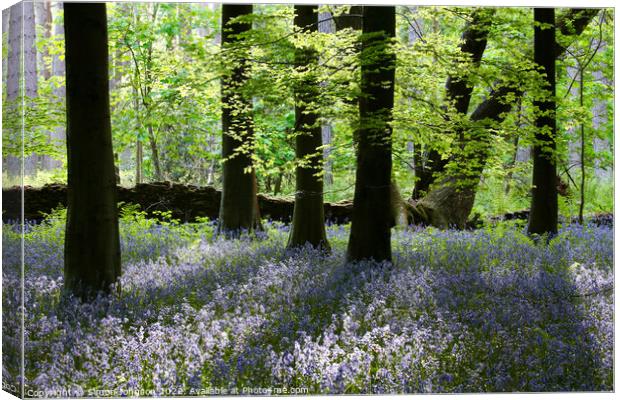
183	202
188	202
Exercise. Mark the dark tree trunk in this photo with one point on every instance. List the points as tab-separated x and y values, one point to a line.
458	94
544	209
352	19
372	212
308	215
239	206
154	153
277	187
449	202
92	247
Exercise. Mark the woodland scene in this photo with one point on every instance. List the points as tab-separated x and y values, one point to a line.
288	199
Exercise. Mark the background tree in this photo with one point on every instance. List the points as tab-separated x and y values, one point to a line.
450	201
92	247
544	209
239	206
458	93
308	224
372	212
490	141
13	92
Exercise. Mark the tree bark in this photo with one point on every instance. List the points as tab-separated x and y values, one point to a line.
327	25
308	214
58	69
239	206
43	14
352	19
43	18
138	162
14	94
92	247
544	207
154	153
31	80
372	212
582	153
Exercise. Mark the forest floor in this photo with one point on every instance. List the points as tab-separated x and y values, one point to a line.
476	311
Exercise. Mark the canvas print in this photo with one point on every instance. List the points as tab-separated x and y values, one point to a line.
206	199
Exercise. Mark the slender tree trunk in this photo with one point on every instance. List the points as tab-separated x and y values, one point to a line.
515	149
14	93
43	18
6	15
92	246
31	80
154	154
326	25
308	225
511	165
582	154
277	187
58	69
139	158
326	136
43	14
544	209
239	204
139	176
372	217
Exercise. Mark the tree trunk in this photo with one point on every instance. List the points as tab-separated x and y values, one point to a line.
372	212
582	153
58	69
327	25
352	19
449	201
138	162
326	137
277	187
31	80
511	165
14	93
43	18
92	246
43	14
239	206
544	209
154	153
136	104
308	215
